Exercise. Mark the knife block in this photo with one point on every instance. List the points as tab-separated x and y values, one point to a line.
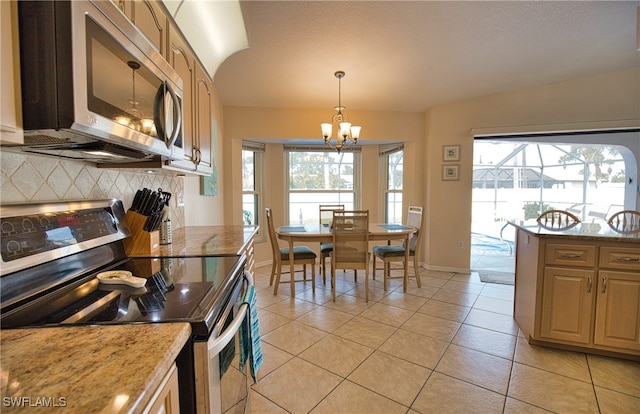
140	242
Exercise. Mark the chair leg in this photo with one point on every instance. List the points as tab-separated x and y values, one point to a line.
374	267
366	283
313	277
333	282
273	272
386	274
277	281
324	268
415	269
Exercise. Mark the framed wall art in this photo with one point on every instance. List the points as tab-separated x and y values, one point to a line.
451	153
451	172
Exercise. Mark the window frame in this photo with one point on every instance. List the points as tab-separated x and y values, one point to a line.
258	150
385	151
357	176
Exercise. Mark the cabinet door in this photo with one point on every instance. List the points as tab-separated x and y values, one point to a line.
204	124
618	310
567	304
150	18
165	399
11	114
183	61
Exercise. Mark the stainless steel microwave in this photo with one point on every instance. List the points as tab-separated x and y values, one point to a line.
94	87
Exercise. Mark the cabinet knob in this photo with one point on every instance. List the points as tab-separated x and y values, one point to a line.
604	285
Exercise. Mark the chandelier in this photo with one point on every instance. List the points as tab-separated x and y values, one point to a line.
346	134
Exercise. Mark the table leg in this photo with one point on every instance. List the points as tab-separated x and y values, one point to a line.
406	264
291	265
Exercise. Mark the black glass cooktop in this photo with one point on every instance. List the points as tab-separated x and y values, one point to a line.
189	289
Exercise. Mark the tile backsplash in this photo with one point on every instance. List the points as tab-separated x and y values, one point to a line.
30	178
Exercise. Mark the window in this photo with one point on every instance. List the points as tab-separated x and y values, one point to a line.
317	176
252	168
517	178
391	168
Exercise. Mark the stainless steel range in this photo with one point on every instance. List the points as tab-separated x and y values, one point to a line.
52	255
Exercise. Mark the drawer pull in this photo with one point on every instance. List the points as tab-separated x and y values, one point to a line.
627	259
604	285
589	284
571	255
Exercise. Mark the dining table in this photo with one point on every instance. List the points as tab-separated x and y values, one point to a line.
306	233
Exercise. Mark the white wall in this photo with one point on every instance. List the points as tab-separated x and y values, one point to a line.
602	101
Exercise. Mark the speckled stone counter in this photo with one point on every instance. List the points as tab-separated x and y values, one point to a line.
209	241
89	369
582	231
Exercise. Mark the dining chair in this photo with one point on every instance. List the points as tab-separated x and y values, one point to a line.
350	245
557	220
302	255
625	222
326	217
396	253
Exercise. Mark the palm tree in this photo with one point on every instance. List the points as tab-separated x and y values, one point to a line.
591	154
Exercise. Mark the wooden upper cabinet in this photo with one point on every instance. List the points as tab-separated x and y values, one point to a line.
197	105
150	18
182	60
204	124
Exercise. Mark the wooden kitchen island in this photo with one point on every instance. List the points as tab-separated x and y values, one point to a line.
579	288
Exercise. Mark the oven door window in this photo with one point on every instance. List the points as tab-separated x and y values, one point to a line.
122	89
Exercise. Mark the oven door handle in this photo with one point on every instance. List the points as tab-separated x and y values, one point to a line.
214	347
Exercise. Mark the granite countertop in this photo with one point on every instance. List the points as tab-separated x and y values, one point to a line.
85	369
582	231
208	241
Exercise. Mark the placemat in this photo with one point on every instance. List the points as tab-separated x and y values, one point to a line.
292	229
394	227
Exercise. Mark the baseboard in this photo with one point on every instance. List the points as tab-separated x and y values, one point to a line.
421	264
447	269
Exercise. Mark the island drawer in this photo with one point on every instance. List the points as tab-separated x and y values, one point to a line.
626	258
570	255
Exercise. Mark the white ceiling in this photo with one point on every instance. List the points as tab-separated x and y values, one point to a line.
411	55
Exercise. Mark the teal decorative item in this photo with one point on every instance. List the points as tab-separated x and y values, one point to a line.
209	185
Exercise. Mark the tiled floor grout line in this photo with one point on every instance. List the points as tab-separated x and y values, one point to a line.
490	298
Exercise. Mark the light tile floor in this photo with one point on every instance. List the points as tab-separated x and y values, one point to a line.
450	346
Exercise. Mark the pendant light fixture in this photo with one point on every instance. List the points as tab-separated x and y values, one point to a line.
346	134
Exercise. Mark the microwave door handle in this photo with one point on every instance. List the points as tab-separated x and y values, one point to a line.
177	116
158	107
